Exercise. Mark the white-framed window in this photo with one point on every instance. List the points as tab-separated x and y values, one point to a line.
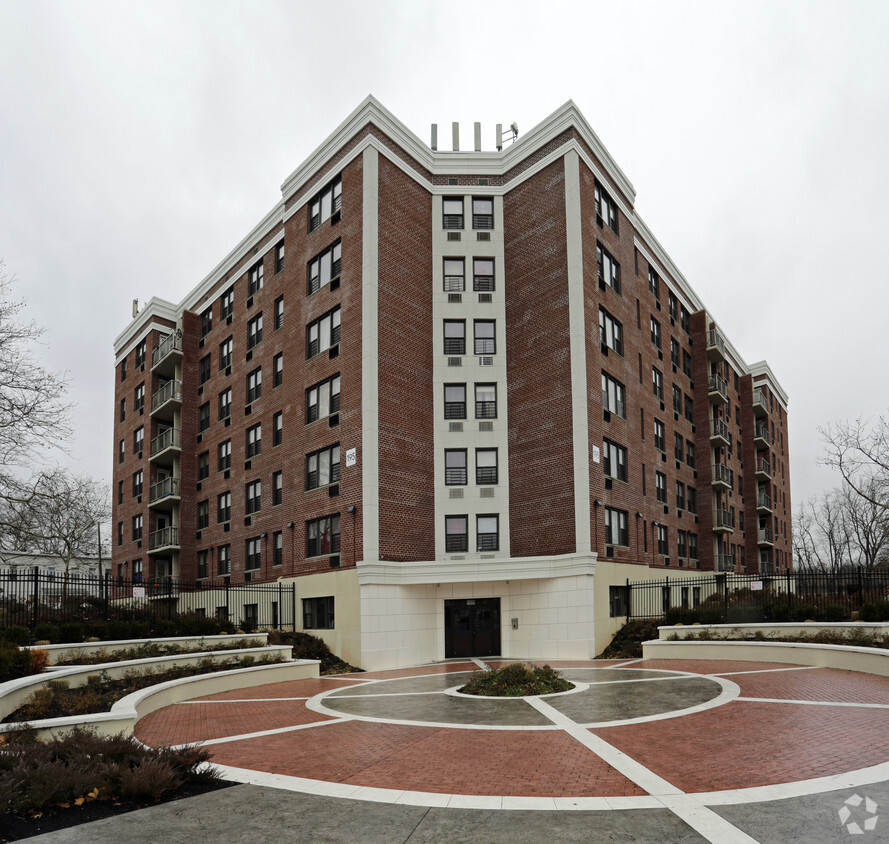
613	396
611	332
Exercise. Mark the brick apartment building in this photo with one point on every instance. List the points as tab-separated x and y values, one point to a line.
459	396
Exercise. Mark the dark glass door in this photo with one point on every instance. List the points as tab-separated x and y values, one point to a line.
472	627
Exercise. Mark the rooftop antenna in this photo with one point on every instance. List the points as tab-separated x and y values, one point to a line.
513	133
135	308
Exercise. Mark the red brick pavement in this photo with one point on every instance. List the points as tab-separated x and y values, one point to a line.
816	684
289	688
418	671
487	762
708	666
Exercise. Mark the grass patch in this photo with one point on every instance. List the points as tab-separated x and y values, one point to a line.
517	680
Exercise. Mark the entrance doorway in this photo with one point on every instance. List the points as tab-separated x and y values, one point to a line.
472	627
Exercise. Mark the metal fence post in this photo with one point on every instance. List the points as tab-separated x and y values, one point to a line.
228	612
629	596
860	589
293	607
36	596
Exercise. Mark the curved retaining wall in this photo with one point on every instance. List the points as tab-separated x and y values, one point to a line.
725	631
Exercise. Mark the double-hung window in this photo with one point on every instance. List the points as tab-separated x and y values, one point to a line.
454	275
277	488
689	454
677	448
137	527
227	304
616	530
323	536
278	428
252	553
482	212
254	440
674	353
452	212
254	279
657	382
323	399
455	467
661	486
685	319
455	401
611	332
680	496
486	466
484	335
660	435
455	336
204	370
693	546
654	282
138	479
692	500
485	401
689	409
278	369
225	455
279	257
663	540
325	204
456	533
672	304
223	560
677	399
655	332
279	313
609	269
681	544
487	532
224	507
203	515
203	564
483	275
203	465
606	208
613	396
138	439
226	347
323	467
139	398
253	497
323	333
225	403
206	322
325	268
686	363
278	548
254	331
204	417
254	385
614	460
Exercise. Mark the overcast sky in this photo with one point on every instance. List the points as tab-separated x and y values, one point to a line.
139	141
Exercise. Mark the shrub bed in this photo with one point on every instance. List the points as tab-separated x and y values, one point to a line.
307	646
854	638
627	642
155	649
517	680
20	662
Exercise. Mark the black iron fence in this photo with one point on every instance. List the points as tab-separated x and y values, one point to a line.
727	597
32	598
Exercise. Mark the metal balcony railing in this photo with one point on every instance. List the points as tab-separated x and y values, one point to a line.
723	519
163	538
168	391
725	562
718	385
164	440
719	431
763	467
170	343
722	474
761	398
765	536
761	432
715	342
763	501
165	488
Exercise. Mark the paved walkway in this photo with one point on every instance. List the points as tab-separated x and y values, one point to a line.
640	750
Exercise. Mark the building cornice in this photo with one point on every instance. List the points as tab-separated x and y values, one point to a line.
143	323
761	369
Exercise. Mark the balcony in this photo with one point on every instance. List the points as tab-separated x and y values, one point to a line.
715	345
165	357
723	521
725	562
165	539
761	435
719	434
722	476
165	446
766	568
765	537
164	492
763	469
762	405
764	502
718	390
166	399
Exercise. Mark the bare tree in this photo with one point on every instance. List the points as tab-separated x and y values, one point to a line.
867	523
860	451
823	537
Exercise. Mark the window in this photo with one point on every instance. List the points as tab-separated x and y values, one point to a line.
254	331
661	486
677	399
455	401
323	333
614	460
660	436
318	613
613	396
323	399
137	571
611	332
693	546
657	382
123	409
452	216
487	533
655	332
680	496
224	560
203	417
323	467
254	279
225	353
685	319
138	478
677	447
483	212
485	343
486	466
485	401
616	530
326	203
252	554
137	527
483	275
254	385
690	454
654	282
674	352
120	533
138	439
686	363
663	539
203	515
206	322
203	564
123	370
278	370
323	536
225	403
254	440
279	257
253	497
455	467
606	209
203	465
140	354
277	488
277	548
692	500
454	275
121	451
609	269
455	336
120	492
224	507
456	533
279	312
204	375
324	268
227	304
681	544
225	455
278	428
672	304
689	409
139	398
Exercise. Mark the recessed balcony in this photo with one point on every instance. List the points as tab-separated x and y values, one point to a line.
722	476
165	446
718	390
763	469
715	345
168	353
723	521
163	493
165	539
762	405
166	400
761	435
720	436
765	537
725	562
764	502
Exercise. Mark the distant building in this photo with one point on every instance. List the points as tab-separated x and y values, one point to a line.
461	397
22	563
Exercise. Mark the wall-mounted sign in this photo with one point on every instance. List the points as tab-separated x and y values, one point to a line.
351	456
597	454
